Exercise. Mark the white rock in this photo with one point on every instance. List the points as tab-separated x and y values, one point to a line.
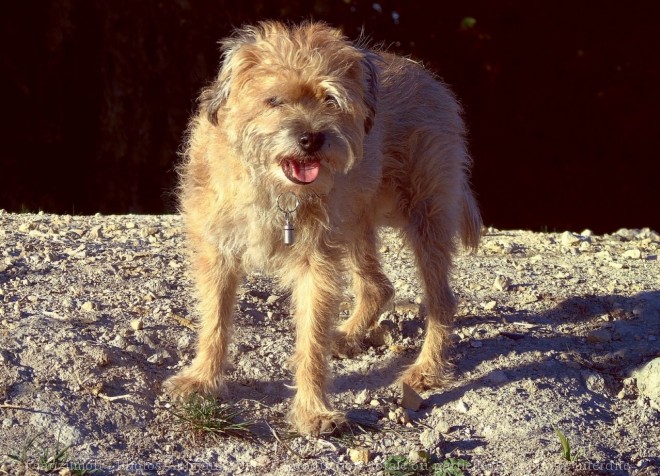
119	341
648	381
570	239
633	254
89	306
260	461
362	397
462	407
184	342
490	305
430	438
443	427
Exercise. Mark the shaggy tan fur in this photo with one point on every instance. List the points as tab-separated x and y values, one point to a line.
362	138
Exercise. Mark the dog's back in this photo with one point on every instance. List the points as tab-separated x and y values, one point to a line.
424	147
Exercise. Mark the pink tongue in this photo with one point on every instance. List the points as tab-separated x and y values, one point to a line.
306	172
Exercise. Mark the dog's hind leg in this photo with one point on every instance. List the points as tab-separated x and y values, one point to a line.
373	290
432	239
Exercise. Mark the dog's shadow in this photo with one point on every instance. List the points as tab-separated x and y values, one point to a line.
557	351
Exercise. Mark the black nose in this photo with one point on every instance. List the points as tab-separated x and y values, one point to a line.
311	142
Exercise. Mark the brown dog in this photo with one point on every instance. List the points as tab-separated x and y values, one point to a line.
357	138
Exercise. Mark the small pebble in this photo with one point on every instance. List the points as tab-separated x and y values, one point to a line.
599	336
416	456
490	305
497	377
501	283
411	399
119	341
359	455
443	427
148	231
96	233
405	307
260	461
157	358
88	306
362	397
272	299
462	407
570	239
404	417
594	382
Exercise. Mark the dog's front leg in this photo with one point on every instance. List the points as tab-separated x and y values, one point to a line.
316	288
217	278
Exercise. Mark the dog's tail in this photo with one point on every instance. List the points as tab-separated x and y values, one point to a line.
471	223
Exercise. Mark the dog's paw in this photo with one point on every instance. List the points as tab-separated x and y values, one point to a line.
345	346
427	376
189	381
317	423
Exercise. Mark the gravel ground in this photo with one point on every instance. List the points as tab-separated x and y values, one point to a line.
554	330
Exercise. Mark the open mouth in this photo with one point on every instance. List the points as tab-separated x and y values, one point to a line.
301	172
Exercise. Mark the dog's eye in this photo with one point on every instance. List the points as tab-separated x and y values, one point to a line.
331	100
274	101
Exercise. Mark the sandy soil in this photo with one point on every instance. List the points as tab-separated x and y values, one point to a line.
553	331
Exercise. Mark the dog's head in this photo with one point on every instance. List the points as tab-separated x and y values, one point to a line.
294	102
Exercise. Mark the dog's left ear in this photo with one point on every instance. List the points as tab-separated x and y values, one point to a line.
211	100
236	58
370	71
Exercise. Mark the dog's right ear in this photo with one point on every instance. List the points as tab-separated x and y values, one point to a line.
371	81
237	57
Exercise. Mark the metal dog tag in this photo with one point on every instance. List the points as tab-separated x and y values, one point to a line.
289	236
288	209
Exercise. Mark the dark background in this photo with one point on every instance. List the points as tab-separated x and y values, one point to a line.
561	98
